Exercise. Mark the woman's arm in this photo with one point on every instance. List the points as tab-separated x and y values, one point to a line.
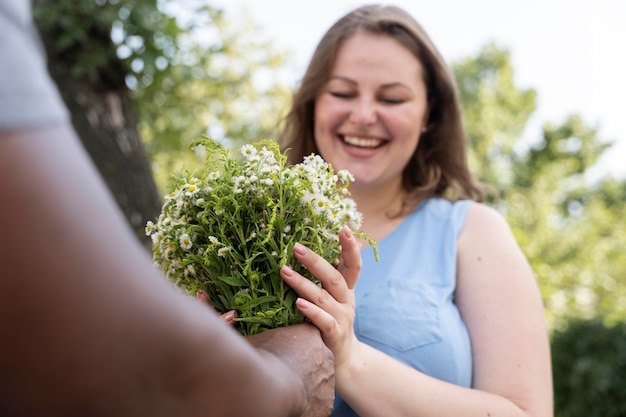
88	327
500	302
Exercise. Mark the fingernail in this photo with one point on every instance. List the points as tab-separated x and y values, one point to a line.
302	303
286	271
348	232
299	249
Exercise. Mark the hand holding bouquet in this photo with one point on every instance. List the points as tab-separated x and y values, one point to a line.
229	228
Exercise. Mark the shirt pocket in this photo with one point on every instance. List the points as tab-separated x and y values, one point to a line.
402	315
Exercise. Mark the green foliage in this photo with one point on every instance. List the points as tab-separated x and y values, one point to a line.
567	229
495	112
190	69
220	80
589	368
570	229
565	151
99	34
80	30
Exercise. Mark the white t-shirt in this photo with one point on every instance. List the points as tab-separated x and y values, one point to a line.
28	96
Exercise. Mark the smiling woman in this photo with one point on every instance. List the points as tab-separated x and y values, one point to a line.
378	100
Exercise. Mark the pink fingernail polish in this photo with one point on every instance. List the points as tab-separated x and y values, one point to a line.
299	249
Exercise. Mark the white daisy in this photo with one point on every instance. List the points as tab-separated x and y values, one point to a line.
185	241
212	176
149	228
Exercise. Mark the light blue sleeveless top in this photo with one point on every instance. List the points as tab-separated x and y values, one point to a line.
405	303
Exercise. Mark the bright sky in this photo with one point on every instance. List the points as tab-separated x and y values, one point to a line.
573	52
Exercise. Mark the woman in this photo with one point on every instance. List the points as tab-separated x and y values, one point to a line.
450	321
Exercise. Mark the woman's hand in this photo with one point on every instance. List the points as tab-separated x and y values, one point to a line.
330	308
228	317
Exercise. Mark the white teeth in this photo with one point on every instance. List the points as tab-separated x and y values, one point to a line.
362	142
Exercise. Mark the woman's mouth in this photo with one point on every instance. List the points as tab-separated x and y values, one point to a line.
369	143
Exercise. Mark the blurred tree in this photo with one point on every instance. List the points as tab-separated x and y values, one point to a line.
214	77
496	112
91	78
164	71
570	229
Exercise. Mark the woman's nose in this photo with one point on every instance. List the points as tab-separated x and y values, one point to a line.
364	112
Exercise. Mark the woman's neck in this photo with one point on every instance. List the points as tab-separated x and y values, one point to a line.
383	208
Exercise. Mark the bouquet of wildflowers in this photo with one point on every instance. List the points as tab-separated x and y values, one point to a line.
229	228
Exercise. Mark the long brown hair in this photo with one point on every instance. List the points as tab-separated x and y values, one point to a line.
438	166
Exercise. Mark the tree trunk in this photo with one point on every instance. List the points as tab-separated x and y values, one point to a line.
105	120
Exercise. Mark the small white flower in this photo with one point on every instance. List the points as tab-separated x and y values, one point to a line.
248	151
149	228
348	204
306	198
287	228
213	176
356	220
223	251
213	240
191	189
185	241
333	216
320	204
345	176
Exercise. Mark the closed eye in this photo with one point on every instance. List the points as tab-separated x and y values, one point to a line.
392	100
339	94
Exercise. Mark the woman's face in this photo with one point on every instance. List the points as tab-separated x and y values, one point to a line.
370	113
